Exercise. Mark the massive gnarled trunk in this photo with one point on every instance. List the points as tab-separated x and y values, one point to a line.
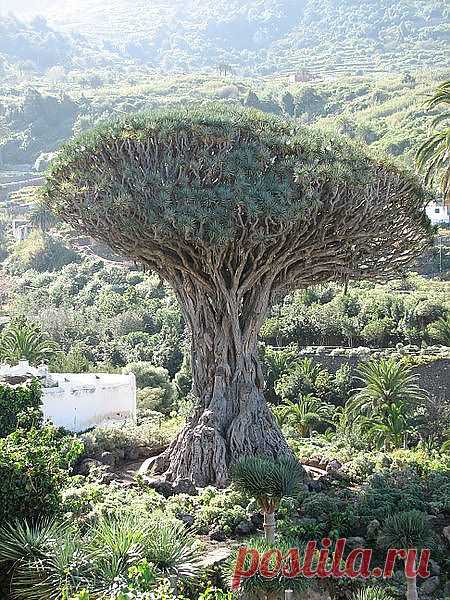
231	418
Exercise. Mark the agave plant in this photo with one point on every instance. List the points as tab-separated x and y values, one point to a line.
268	480
408	529
371	593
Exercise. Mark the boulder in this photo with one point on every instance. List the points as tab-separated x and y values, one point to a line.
333	465
217	535
245	527
355	542
373	528
160	486
435	569
133	454
108	458
87	465
186	518
429	586
446	533
184	486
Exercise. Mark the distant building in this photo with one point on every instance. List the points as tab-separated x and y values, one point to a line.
302	76
438	213
21	229
79	401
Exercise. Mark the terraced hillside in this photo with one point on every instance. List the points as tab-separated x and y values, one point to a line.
261	36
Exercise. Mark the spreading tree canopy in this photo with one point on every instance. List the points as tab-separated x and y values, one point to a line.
233	208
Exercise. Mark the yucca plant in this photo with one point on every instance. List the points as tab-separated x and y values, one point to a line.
172	548
43	558
371	593
268	480
408	529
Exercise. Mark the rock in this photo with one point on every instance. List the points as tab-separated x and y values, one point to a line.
133	454
429	586
446	533
373	528
186	518
184	486
144	451
356	542
87	465
244	528
217	535
435	569
257	520
107	476
306	522
160	486
108	458
333	465
315	486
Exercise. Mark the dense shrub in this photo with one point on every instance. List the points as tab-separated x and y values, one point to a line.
19	404
33	466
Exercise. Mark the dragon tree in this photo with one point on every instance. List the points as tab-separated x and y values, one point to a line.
233	209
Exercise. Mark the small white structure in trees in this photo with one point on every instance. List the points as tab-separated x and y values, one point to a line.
438	213
80	401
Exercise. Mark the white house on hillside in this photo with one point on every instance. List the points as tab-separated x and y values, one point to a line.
438	213
80	401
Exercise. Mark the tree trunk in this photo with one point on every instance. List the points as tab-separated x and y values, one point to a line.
269	527
411	588
231	418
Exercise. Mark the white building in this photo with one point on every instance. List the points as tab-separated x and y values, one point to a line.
81	401
438	213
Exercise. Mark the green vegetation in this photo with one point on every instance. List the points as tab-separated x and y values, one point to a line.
263	113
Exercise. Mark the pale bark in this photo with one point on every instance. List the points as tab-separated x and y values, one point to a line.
269	527
411	588
231	418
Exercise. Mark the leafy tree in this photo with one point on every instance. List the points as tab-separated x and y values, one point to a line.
433	156
409	529
24	340
231	208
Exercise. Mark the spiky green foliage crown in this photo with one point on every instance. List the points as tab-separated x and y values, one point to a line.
409	529
157	186
268	479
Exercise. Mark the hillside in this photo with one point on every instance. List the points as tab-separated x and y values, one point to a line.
258	36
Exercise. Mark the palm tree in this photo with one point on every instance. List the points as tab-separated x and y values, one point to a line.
433	156
409	529
308	412
24	340
268	480
389	428
385	382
